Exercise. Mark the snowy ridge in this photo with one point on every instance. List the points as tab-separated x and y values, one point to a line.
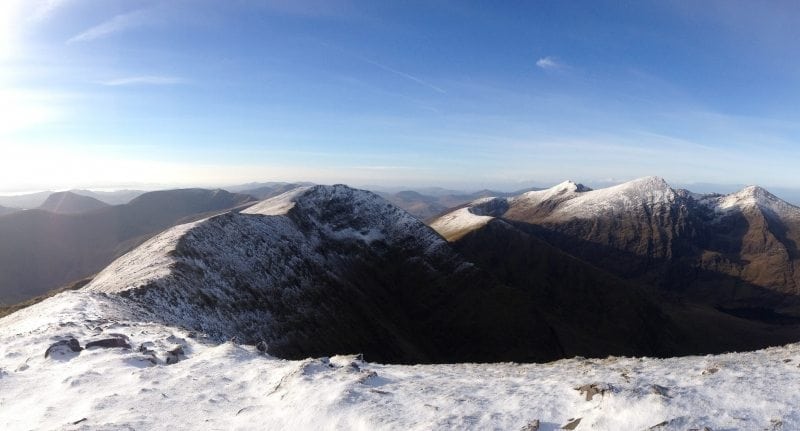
634	195
564	191
278	205
231	386
149	262
566	201
458	223
749	198
475	215
206	275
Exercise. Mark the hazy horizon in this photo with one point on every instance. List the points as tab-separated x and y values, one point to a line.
461	95
791	195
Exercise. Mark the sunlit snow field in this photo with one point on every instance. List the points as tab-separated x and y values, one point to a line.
231	386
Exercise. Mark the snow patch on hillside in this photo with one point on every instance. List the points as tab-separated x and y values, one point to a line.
459	222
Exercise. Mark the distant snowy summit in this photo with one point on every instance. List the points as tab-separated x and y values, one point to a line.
749	198
646	227
570	200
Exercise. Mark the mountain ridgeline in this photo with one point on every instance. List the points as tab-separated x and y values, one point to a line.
725	260
41	250
323	270
71	203
637	269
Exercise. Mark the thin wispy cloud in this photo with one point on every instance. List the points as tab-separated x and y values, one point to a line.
116	24
143	80
404	75
549	63
386	68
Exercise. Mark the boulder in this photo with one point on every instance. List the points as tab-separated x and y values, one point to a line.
109	343
63	347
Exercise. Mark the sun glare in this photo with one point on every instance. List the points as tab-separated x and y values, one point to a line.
10	16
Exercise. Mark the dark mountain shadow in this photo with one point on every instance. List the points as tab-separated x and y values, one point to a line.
713	311
592	312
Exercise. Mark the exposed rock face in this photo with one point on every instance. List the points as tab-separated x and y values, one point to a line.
754	236
592	312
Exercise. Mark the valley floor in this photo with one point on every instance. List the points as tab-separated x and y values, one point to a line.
230	386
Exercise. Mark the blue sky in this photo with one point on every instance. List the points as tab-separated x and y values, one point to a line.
105	93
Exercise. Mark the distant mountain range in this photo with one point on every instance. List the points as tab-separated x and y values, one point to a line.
36	200
720	261
71	203
645	229
42	249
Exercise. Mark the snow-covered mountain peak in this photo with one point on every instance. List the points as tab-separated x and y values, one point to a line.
216	275
644	185
752	197
568	185
564	201
565	190
631	196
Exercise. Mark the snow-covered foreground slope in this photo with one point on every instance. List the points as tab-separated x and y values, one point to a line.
227	386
